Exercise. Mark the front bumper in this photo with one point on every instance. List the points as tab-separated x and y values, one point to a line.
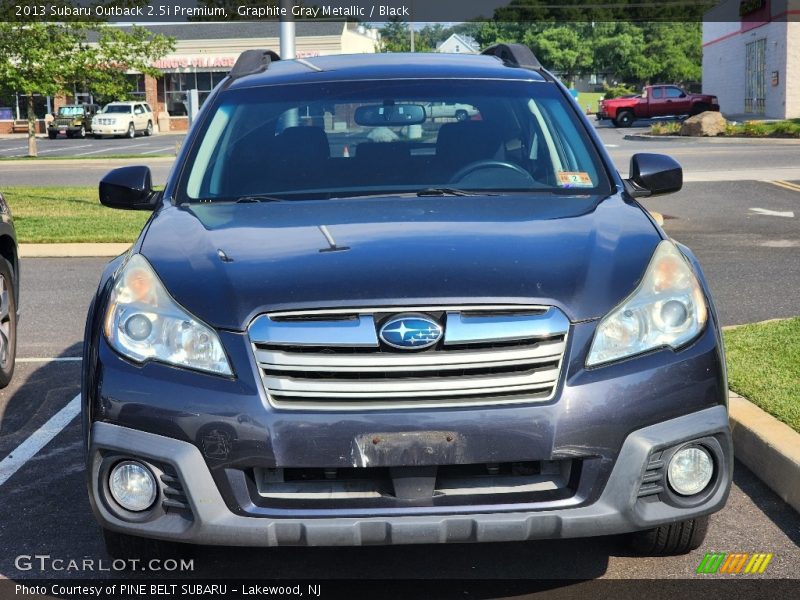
619	508
109	129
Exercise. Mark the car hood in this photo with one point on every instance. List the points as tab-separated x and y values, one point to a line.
226	263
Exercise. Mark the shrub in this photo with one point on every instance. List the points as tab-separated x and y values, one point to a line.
670	128
615	91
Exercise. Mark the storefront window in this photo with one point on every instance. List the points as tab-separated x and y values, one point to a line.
177	85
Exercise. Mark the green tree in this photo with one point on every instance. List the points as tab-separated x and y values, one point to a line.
49	58
396	37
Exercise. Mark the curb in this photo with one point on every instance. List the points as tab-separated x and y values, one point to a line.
769	448
76	250
643	137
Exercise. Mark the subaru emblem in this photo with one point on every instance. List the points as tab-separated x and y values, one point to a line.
408	332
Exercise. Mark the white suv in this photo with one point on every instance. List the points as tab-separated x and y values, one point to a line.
123	118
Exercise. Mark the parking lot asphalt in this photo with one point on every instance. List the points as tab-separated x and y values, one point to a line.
88	147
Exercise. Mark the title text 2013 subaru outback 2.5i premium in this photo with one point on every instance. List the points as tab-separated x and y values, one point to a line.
349	322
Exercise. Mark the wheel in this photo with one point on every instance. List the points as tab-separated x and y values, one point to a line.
699	108
149	130
69	135
624	119
52	134
671	539
8	323
461	115
82	132
121	545
131	133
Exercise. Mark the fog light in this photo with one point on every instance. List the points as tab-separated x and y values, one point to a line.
132	485
690	470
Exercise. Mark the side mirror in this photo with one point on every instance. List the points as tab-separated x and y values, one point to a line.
128	188
653	175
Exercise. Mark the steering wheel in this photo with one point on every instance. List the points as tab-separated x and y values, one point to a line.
479	165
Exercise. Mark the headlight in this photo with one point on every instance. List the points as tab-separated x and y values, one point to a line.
143	322
667	309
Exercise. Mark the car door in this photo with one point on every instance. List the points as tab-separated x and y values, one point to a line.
657	102
677	100
139	117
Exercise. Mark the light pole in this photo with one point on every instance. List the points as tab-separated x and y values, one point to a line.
287	30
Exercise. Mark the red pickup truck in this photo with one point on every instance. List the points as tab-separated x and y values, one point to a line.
655	101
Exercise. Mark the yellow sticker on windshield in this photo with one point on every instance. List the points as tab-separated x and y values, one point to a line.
574	179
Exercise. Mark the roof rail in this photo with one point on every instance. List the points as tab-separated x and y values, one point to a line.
514	55
253	61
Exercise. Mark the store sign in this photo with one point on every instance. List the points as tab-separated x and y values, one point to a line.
747	7
211	61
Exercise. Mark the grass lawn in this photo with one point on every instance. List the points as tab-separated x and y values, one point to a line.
589	99
764	366
69	214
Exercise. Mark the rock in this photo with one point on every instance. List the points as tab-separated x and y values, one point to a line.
709	124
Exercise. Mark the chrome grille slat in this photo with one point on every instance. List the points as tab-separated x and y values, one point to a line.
544	351
496	355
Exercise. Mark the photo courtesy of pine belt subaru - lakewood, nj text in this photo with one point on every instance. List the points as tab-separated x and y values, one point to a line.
350	321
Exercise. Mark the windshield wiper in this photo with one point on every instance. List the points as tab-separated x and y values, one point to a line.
251	199
447	191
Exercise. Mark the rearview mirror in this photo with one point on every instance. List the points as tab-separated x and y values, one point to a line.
128	188
653	175
390	115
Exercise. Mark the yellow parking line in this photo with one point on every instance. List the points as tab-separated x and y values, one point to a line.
787	185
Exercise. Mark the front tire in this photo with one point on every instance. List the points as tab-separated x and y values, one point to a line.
670	539
461	115
52	134
131	133
624	119
8	323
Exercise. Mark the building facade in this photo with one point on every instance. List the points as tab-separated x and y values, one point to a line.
204	53
751	58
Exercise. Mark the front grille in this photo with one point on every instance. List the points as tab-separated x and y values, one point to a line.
333	360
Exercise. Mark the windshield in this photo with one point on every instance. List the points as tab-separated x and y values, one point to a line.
70	111
349	139
117	108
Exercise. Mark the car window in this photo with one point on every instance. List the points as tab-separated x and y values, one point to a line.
147	108
70	111
117	108
657	93
138	110
673	92
307	140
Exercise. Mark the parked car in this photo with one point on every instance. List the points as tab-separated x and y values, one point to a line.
123	118
9	293
73	120
655	101
476	336
460	112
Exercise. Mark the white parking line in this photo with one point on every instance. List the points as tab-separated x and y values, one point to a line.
158	150
39	439
11	149
119	149
64	149
49	360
